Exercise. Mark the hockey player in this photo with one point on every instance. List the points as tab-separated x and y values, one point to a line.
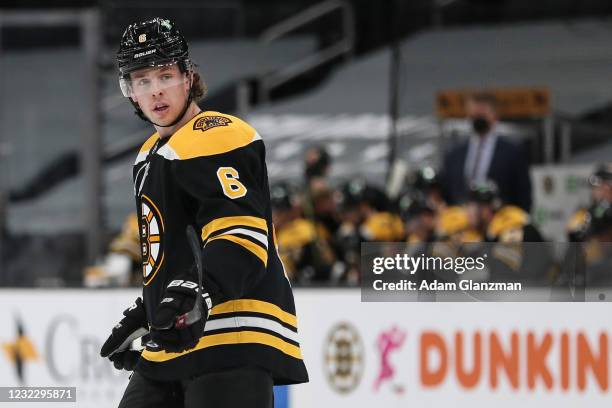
601	190
303	245
419	216
365	218
205	169
513	254
365	214
427	183
598	248
496	221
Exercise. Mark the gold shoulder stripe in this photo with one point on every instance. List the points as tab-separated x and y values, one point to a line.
149	143
257	306
241	337
236	221
211	133
255	249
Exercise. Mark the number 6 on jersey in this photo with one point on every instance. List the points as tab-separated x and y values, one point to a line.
228	177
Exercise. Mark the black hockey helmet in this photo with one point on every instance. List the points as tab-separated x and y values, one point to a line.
353	192
413	204
426	178
602	174
485	192
357	191
152	43
282	196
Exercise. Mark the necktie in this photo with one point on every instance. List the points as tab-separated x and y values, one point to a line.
479	148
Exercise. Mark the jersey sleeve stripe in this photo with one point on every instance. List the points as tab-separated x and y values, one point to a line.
257	306
255	249
263	239
236	221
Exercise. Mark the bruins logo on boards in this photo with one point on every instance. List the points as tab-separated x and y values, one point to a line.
343	358
151	239
208	122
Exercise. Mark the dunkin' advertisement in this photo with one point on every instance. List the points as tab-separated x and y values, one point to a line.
452	354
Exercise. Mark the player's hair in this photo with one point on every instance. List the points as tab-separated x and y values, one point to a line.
199	88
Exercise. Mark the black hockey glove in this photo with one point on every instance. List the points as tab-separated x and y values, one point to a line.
131	327
177	334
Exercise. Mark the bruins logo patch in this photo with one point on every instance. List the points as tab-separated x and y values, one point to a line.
151	239
208	122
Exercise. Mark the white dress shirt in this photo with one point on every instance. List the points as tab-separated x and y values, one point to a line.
477	163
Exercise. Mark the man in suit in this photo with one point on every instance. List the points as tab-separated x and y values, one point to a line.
486	155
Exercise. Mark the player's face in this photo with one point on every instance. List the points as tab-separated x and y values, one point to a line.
160	92
481	109
602	191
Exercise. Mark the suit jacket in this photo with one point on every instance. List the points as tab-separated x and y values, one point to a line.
509	169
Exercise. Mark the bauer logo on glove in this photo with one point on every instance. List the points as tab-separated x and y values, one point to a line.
179	320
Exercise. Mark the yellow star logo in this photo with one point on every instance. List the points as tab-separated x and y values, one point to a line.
22	349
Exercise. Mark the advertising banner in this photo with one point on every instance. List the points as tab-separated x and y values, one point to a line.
452	354
52	338
558	192
358	354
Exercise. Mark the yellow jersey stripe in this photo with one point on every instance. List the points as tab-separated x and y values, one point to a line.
240	337
258	251
236	221
257	306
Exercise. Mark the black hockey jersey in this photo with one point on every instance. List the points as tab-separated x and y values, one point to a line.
211	173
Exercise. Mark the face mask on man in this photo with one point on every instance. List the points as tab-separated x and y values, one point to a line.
481	125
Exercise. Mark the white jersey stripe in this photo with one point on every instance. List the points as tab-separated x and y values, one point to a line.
257	235
167	152
142	156
250	321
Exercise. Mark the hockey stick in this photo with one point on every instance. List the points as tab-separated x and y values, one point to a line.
128	342
195	314
183	320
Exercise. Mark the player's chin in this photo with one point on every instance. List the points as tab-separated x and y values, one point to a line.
163	117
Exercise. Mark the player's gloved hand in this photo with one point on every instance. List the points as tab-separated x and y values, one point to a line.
131	327
125	360
179	299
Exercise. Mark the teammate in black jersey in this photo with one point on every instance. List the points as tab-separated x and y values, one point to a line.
205	169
